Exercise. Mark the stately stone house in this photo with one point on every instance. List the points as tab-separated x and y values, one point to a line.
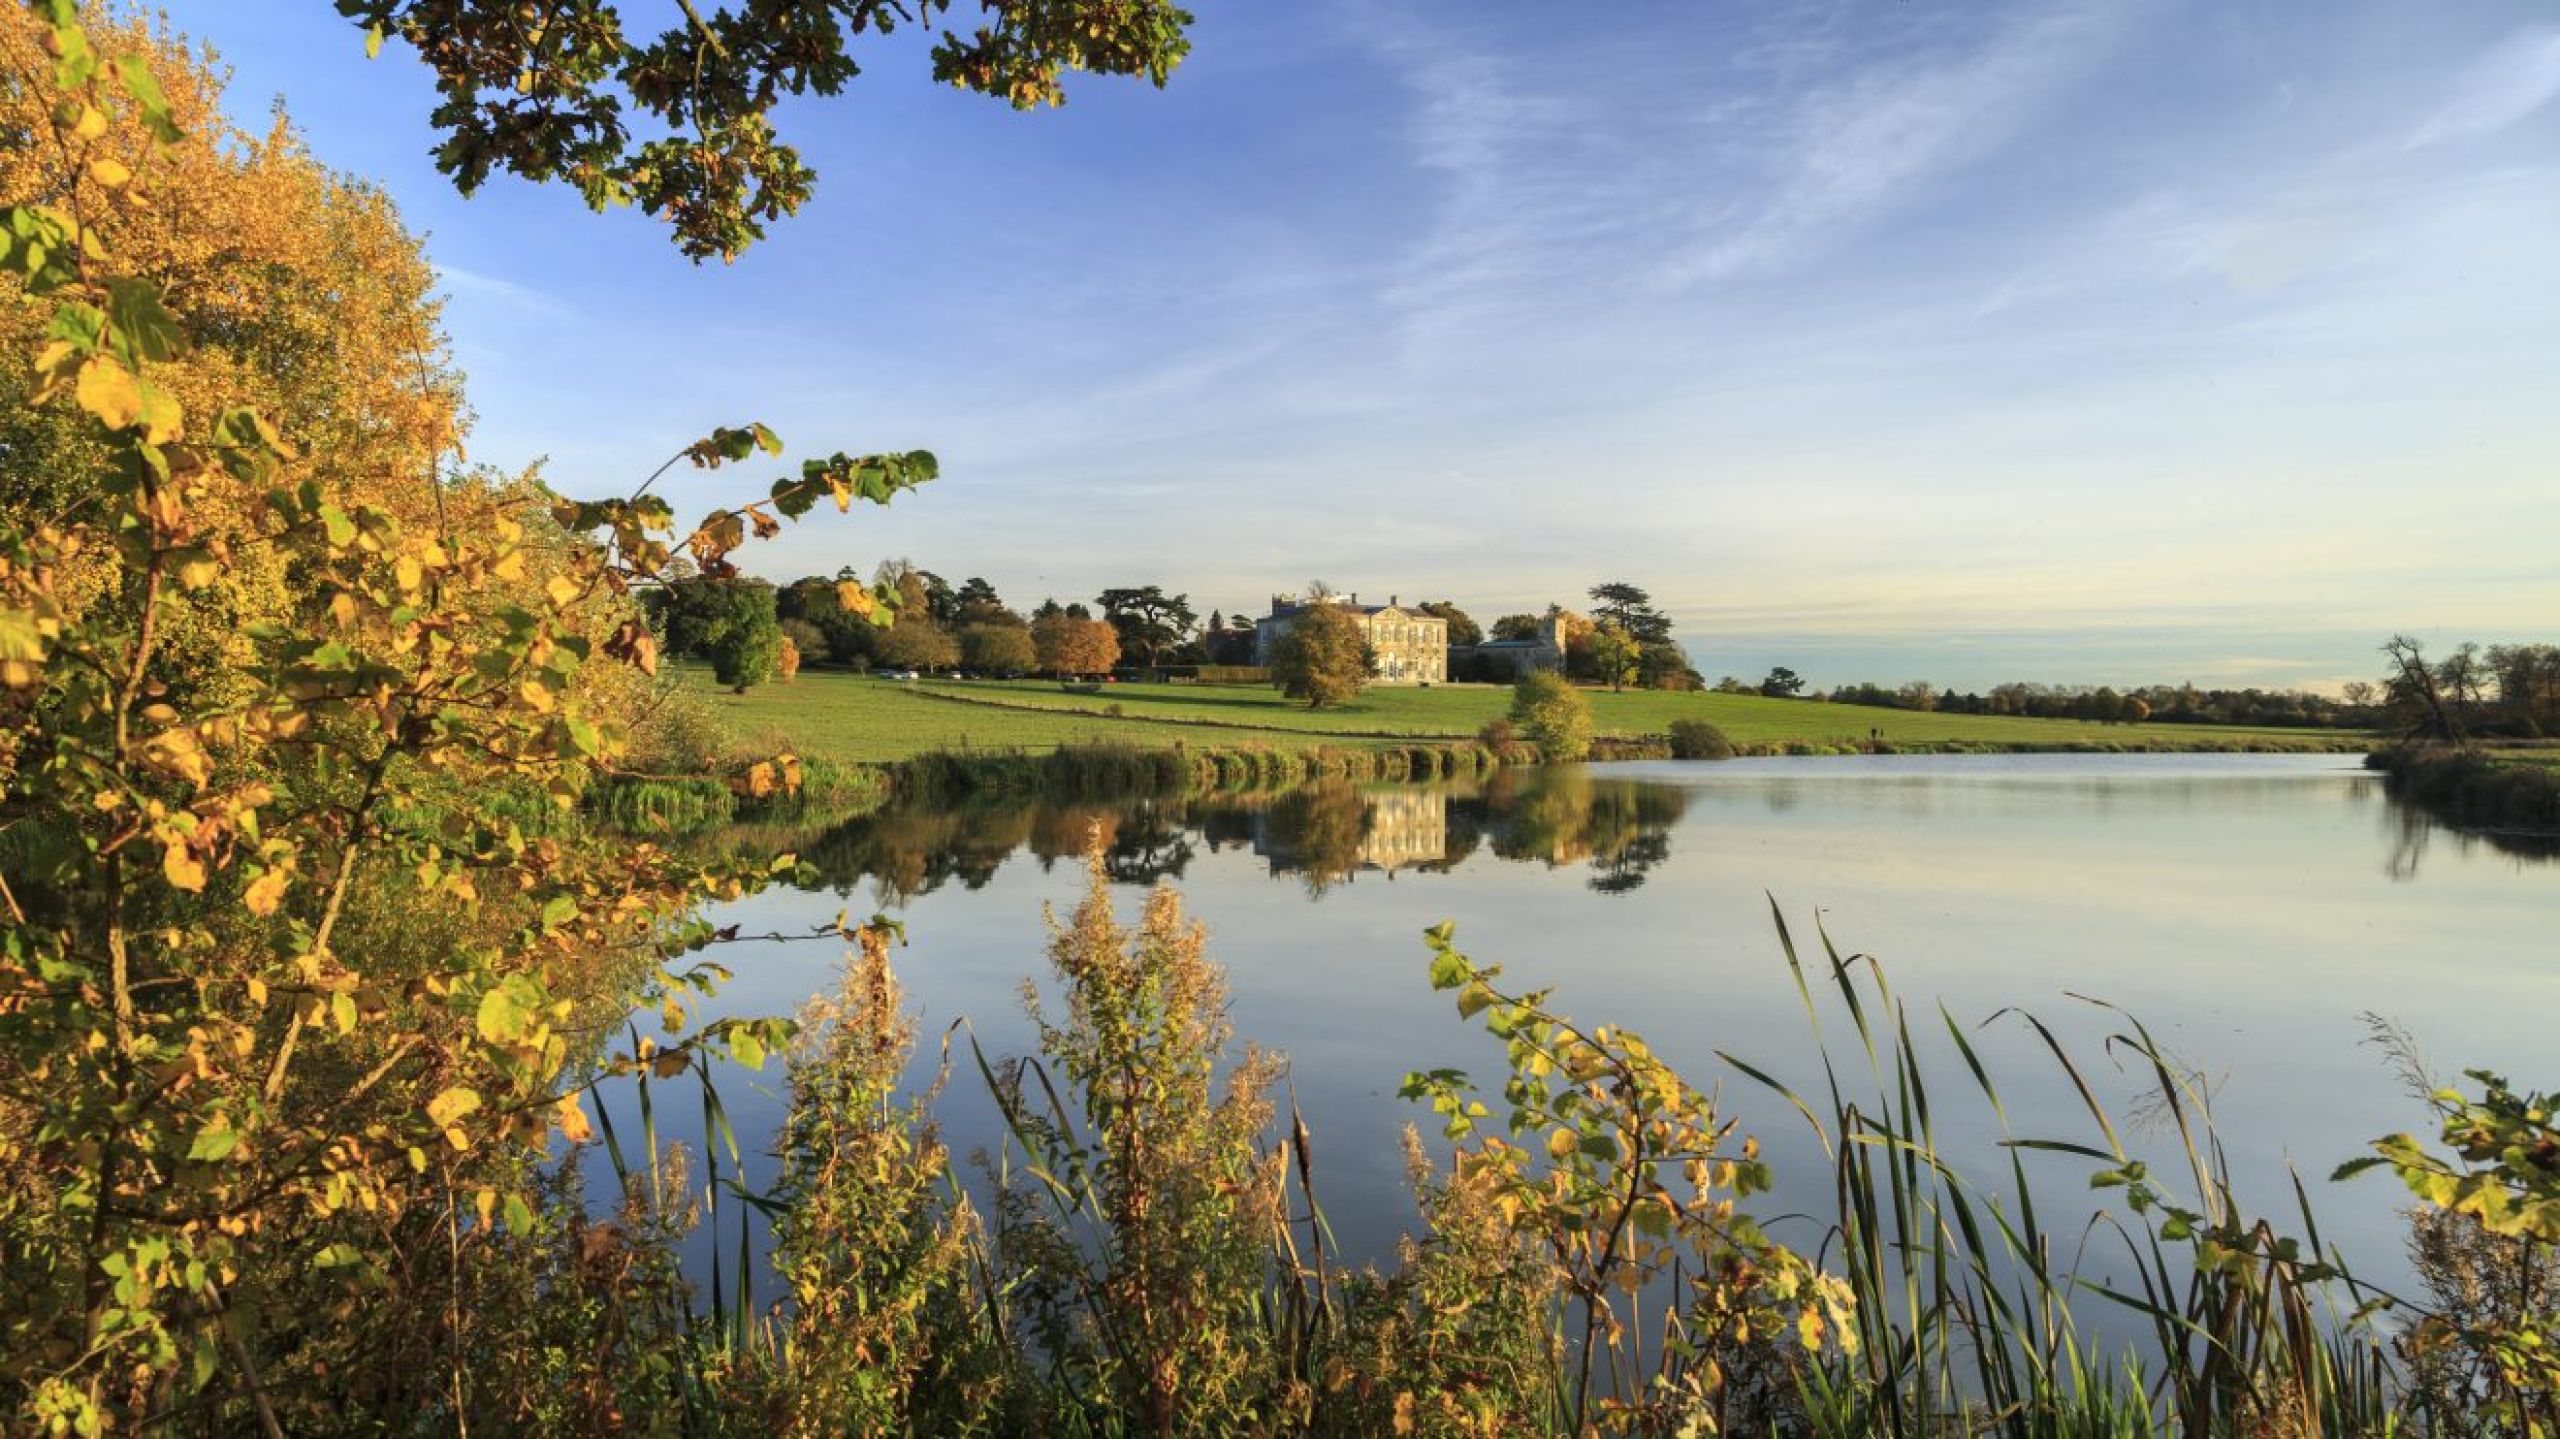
1412	648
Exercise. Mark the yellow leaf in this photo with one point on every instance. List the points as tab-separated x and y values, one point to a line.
562	590
110	172
854	598
266	892
109	391
179	865
1561	1143
257	991
572	1117
453	1104
91	124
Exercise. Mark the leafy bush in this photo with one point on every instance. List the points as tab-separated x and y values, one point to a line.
1697	739
1553	715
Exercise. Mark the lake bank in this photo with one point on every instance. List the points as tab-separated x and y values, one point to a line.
2510	796
991	734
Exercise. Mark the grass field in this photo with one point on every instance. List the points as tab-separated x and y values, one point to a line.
856	718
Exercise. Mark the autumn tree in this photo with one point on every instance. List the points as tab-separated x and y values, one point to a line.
295	965
917	642
998	648
1550	713
1068	645
1615	654
680	123
1322	658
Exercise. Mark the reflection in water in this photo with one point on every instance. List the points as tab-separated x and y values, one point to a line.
2238	904
2411	831
1324	834
1618	827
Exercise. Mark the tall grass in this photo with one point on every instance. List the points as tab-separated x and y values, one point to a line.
1586	1259
1971	1308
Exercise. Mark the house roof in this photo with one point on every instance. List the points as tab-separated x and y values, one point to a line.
1282	612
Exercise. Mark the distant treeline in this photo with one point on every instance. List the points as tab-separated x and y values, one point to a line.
2154	704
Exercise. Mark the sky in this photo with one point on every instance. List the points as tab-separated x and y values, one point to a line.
2126	342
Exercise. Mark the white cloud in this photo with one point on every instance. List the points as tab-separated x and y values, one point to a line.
2511	82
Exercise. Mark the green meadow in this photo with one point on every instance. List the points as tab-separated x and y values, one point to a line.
858	718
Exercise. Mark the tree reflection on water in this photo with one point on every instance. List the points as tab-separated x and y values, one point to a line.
1322	834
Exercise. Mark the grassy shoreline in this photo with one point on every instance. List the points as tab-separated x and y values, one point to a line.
2512	793
860	720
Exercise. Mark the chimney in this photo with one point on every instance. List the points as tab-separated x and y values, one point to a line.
1394	602
1355	599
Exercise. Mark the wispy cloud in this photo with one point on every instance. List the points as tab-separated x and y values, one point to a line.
472	285
1852	152
2505	86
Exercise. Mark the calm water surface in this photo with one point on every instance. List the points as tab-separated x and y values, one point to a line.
2253	910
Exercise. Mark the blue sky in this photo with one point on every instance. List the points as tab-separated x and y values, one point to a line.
2144	340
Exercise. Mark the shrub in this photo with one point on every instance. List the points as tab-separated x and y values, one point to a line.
873	1241
1142	1248
1552	715
1697	739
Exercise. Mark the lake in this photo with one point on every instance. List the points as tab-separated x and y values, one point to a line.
2254	911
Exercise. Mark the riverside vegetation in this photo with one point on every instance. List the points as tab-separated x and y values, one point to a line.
316	947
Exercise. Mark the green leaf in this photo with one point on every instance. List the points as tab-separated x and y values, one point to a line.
561	909
500	1018
1449	969
215	1140
144	328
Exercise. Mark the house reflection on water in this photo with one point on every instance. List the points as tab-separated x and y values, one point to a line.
1321	834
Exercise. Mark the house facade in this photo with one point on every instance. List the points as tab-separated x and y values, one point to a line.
1411	647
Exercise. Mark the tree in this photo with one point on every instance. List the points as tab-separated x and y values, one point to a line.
1553	715
1666	667
1631	609
1148	620
1322	657
745	642
1462	629
1615	654
999	648
1067	645
977	603
2411	691
558	100
1518	627
915	642
285	939
1782	683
